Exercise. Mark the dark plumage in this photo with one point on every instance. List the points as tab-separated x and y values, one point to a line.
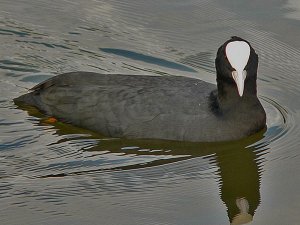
158	107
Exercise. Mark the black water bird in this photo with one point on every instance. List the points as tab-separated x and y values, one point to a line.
160	107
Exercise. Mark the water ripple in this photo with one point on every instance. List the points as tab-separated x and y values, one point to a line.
58	173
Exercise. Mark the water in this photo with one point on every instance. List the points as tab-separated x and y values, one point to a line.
60	174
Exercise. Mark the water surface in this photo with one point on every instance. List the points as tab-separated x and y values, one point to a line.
61	174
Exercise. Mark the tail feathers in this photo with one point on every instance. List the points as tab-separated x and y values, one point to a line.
28	99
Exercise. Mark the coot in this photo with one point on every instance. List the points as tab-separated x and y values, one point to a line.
160	107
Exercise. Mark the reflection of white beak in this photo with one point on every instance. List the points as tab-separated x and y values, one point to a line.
239	78
243	217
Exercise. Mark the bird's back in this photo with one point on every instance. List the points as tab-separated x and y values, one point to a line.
163	107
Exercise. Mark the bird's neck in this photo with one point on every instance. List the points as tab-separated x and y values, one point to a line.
227	91
228	98
235	110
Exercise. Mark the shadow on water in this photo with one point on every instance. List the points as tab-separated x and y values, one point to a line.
238	171
148	59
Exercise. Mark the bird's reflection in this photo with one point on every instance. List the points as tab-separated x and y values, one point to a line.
240	184
238	167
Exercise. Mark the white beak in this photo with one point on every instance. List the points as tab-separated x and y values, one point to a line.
239	78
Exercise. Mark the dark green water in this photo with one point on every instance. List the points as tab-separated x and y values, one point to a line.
60	174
